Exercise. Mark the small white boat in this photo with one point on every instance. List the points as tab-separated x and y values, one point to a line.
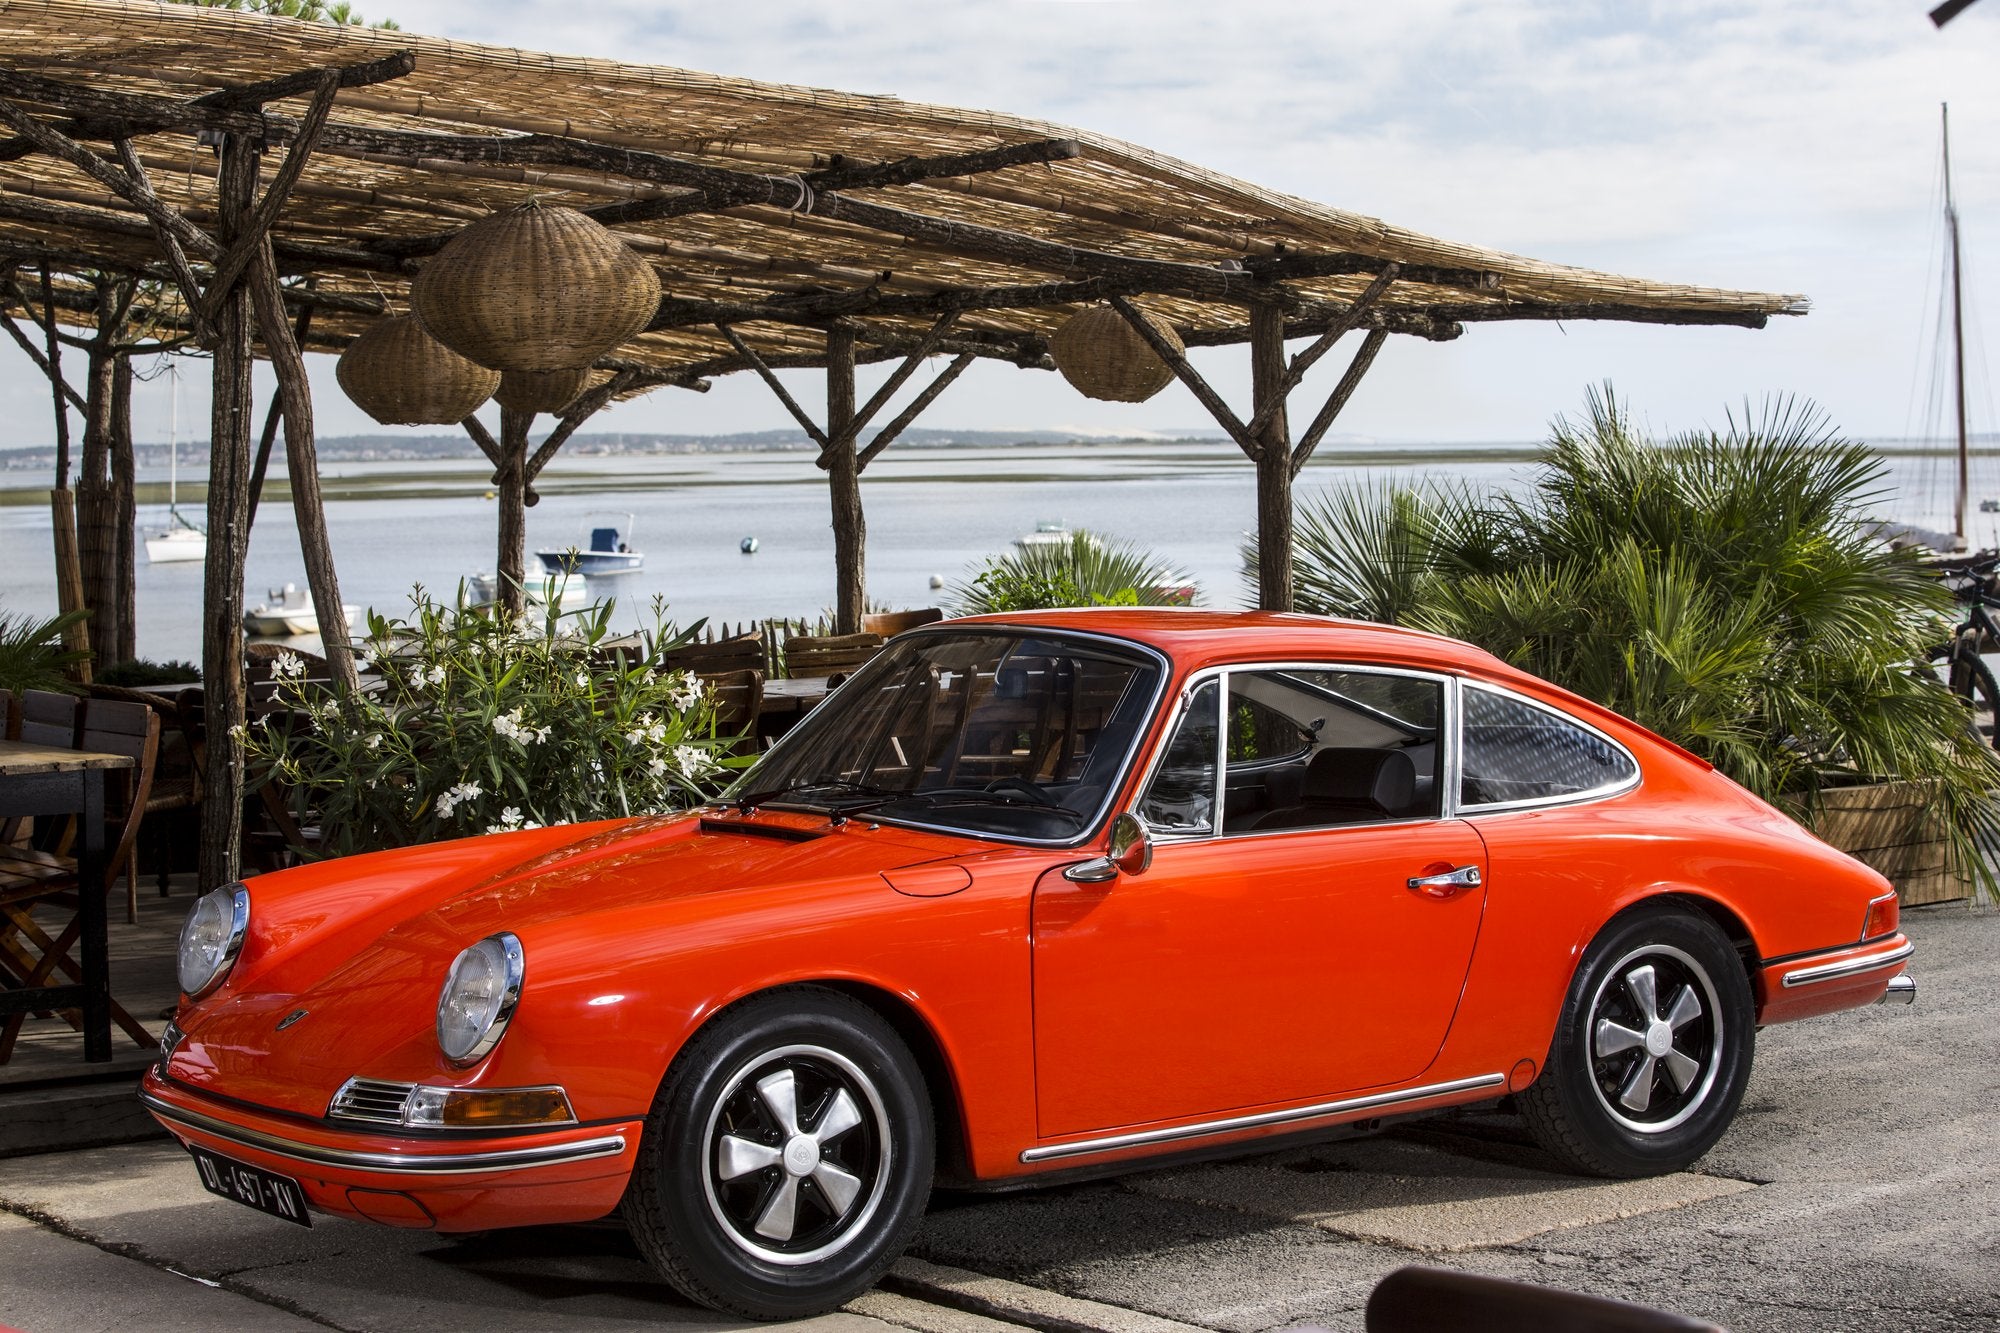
607	551
564	592
180	540
1050	533
290	611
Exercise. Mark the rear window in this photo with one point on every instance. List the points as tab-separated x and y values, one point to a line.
1516	752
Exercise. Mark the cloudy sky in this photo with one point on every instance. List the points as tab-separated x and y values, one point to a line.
1777	145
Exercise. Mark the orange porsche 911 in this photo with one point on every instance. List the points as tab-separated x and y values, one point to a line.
1028	897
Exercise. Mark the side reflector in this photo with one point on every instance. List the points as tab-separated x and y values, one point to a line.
1884	915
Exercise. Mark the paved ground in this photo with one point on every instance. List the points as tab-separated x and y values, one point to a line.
1860	1190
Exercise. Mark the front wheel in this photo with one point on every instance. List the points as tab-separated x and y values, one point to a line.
1972	680
787	1157
1652	1051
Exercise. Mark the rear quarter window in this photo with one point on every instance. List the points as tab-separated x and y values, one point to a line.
1514	752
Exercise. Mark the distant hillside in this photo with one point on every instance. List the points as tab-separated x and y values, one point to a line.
397	448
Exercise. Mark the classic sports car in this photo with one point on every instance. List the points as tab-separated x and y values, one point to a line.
1029	896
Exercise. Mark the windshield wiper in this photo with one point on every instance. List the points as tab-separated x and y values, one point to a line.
945	798
866	794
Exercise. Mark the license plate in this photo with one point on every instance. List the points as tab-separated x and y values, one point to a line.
280	1196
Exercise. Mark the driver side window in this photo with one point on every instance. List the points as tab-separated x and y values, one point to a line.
1181	797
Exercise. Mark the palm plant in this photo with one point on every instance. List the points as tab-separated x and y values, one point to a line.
32	656
1086	570
1723	589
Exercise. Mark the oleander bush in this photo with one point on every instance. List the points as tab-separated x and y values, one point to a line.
474	721
1725	589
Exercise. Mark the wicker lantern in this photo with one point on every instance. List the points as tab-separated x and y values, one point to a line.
541	287
401	376
1104	357
540	390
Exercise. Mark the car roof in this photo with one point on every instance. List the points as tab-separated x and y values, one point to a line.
1194	638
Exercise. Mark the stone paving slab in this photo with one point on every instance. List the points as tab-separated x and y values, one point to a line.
1418	1198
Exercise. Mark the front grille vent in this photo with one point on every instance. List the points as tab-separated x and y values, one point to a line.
170	1041
371	1100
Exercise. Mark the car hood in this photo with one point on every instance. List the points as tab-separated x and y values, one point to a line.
339	975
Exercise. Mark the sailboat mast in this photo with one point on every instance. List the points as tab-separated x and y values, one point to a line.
1957	324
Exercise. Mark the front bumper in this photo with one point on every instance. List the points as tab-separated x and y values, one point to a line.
1830	980
474	1183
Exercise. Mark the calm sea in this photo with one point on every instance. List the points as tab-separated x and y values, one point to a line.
938	511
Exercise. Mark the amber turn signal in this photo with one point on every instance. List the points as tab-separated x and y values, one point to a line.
1884	914
484	1108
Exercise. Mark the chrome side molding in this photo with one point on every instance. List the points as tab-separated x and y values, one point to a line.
1206	1128
1847	967
1902	990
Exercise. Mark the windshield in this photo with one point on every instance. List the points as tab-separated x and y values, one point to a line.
992	732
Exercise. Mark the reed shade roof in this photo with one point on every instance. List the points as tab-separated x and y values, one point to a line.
536	288
401	376
1104	357
770	207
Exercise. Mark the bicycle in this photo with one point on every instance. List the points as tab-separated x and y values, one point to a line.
1966	673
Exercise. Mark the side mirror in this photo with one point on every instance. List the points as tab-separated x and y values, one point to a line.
1130	853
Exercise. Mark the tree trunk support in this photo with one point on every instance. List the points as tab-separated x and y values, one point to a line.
273	415
69	577
228	539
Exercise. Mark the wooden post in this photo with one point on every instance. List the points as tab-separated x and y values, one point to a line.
1273	457
511	562
301	465
121	641
228	536
69	575
843	474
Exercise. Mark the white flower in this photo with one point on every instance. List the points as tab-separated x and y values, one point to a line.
692	760
374	741
688	692
287	663
451	800
510	819
434	675
647	729
656	766
583	680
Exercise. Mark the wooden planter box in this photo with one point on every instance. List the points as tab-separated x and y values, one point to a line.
1892	826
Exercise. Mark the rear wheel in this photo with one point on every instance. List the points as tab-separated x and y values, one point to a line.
786	1159
1652	1051
1972	680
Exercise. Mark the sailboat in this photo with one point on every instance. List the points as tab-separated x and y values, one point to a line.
180	540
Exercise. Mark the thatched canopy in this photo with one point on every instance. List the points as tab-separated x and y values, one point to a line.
773	209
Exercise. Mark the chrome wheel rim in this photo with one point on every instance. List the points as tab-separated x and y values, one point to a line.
1655	1039
796	1153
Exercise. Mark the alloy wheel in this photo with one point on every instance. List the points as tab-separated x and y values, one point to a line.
1655	1038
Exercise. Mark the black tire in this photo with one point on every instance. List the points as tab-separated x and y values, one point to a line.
720	1156
1627	1092
1972	680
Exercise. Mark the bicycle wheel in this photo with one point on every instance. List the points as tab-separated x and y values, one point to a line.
1972	680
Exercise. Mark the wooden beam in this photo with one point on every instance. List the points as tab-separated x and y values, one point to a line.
120	183
588	404
764	371
132	111
484	439
895	381
366	74
1305	360
1188	375
1363	358
41	361
887	435
843	483
261	465
170	244
245	247
1474	313
1272	454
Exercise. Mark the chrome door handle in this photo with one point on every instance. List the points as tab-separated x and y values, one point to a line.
1447	883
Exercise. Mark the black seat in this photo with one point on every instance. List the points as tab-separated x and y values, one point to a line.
1349	786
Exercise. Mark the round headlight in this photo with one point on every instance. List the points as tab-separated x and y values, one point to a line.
212	938
479	997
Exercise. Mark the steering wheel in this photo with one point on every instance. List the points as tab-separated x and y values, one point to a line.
1021	787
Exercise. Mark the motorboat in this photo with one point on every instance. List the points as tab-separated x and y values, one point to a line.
180	540
608	550
1052	534
564	592
290	611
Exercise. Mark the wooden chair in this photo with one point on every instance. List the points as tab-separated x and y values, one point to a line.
830	655
745	652
889	624
739	701
176	783
28	954
46	718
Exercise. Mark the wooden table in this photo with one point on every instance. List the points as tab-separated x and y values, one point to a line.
38	780
786	701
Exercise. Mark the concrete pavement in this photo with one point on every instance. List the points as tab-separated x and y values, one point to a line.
1860	1190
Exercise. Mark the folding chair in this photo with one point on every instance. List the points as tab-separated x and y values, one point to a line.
29	956
739	700
828	655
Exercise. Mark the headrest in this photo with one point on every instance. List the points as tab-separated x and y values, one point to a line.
1384	779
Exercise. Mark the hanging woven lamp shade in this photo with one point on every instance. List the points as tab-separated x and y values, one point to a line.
1104	357
401	376
540	390
540	287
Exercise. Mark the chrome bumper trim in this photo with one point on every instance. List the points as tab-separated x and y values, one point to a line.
1847	967
1206	1128
1902	990
429	1164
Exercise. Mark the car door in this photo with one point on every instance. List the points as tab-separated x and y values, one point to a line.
1276	949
